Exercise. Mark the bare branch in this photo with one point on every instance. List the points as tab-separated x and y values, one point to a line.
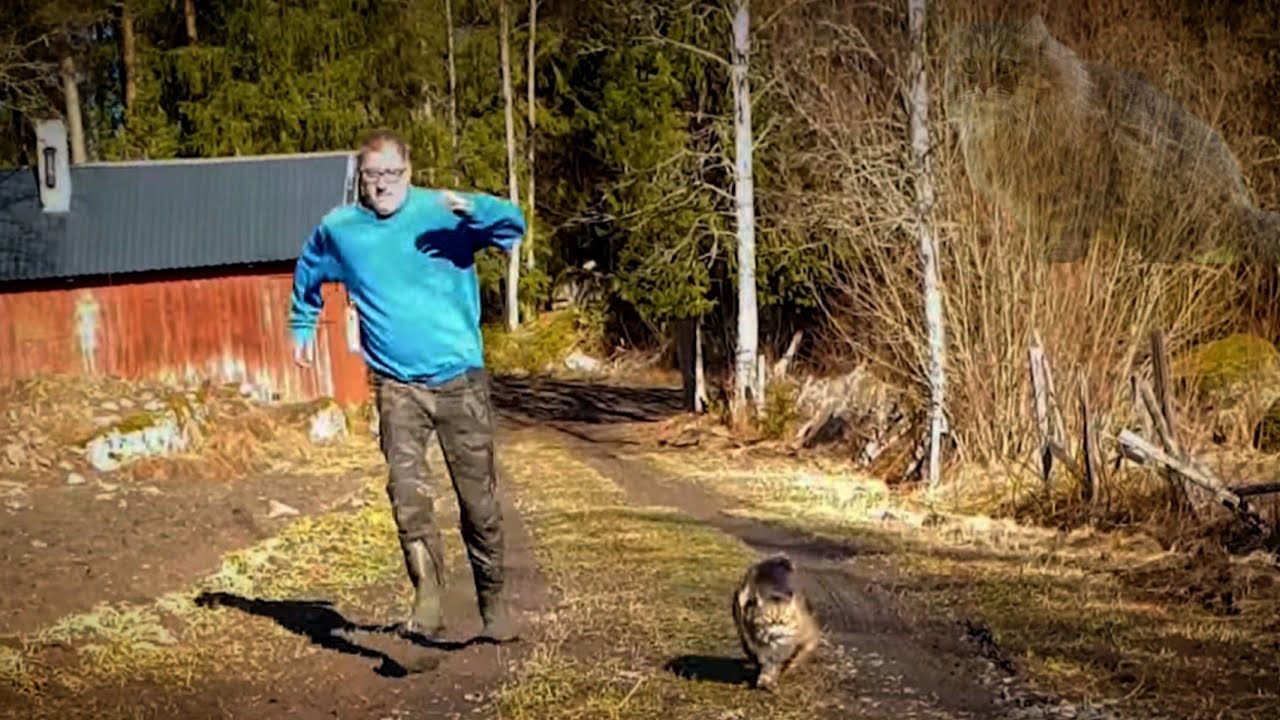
659	40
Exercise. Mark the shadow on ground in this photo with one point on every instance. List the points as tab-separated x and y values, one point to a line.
539	400
730	671
317	621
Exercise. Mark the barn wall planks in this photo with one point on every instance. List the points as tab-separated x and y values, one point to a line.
231	328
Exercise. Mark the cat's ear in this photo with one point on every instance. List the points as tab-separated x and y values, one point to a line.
1035	31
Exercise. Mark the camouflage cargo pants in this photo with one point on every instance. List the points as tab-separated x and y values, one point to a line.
459	414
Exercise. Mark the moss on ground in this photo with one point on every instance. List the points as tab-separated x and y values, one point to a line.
639	587
1223	366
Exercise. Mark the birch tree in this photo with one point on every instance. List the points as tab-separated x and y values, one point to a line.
453	86
533	126
513	263
748	381
921	151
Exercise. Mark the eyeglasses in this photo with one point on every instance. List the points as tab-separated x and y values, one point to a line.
387	174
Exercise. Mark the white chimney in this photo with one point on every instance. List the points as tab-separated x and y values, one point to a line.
54	170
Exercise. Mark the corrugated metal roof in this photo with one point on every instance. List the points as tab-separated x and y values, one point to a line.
132	217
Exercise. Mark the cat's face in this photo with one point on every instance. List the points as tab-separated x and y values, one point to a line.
769	609
991	64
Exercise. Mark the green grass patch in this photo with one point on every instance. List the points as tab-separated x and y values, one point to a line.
639	587
542	344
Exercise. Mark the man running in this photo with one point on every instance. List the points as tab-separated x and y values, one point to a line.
407	258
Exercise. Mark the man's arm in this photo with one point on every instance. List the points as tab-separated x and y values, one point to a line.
490	221
316	266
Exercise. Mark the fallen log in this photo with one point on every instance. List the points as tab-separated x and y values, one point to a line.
1141	451
1259	489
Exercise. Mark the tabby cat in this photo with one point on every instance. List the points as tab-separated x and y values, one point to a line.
774	619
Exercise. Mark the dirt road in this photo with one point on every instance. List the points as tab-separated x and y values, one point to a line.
621	577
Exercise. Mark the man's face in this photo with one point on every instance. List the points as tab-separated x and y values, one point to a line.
384	179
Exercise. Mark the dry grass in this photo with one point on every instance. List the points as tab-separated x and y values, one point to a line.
47	419
242	438
1086	614
837	73
43	419
638	587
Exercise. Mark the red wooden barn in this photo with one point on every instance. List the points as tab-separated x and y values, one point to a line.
172	270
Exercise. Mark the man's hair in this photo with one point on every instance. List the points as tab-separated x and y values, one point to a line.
378	137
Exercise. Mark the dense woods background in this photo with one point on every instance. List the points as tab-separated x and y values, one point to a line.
632	156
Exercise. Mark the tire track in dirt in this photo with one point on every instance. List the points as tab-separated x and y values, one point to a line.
896	666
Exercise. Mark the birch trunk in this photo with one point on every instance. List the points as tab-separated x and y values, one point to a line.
513	262
748	385
453	87
700	376
921	151
533	126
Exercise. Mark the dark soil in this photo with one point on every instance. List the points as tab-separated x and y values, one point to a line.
73	546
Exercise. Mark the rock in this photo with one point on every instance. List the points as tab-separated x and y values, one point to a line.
1237	379
327	423
146	434
110	406
276	509
153	406
583	363
1229	365
126	403
76	479
1266	435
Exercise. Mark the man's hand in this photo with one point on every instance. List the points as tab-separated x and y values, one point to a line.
304	354
458	204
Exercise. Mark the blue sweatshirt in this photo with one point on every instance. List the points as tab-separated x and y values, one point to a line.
411	277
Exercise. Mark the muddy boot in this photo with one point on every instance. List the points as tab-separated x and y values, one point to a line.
496	614
425	572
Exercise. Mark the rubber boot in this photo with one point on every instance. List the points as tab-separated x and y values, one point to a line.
498	623
426	573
